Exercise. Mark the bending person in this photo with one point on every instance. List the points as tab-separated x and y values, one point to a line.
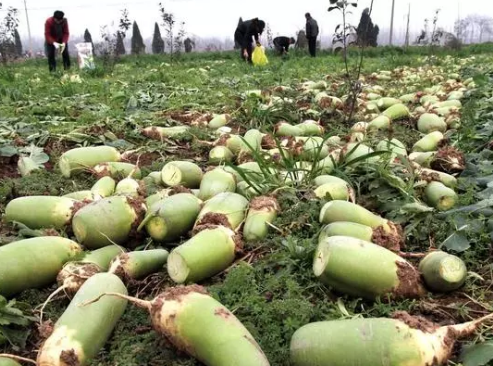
245	32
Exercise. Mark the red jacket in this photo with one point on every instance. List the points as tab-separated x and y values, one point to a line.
50	31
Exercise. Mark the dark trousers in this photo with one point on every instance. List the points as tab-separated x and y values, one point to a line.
279	48
312	45
52	53
240	39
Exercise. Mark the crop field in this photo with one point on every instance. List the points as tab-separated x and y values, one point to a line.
280	192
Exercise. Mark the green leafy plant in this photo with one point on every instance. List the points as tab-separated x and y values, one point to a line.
14	323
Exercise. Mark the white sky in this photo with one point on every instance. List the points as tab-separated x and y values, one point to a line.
218	18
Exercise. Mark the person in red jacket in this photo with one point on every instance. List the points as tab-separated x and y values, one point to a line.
56	38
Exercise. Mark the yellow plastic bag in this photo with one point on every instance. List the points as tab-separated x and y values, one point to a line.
259	58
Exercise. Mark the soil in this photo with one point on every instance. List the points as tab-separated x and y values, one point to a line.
144	159
179	189
178	292
69	358
393	241
264	203
45	329
8	167
410	284
223	313
192	118
415	322
211	220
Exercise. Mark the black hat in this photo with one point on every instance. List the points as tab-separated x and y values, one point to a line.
58	15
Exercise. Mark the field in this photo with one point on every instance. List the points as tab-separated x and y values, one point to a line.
270	287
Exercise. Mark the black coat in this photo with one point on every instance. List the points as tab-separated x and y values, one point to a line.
311	28
248	29
282	43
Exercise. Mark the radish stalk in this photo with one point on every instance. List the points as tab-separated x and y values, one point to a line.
182	173
82	158
344	228
216	181
81	331
403	341
429	122
206	254
226	209
139	264
443	272
37	212
220	154
172	217
429	142
440	196
118	170
363	269
199	325
262	212
108	221
33	263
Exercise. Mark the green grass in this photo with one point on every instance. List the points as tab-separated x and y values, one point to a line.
272	291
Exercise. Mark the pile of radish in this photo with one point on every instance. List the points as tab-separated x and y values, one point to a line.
200	217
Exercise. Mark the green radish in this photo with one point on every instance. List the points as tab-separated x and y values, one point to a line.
360	127
252	141
446	112
181	173
409	98
435	175
82	330
82	195
195	323
379	123
220	154
310	128
394	145
286	129
455	95
159	133
422	158
139	264
353	151
338	210
251	170
334	191
386	102
73	274
156	178
429	99
104	187
246	190
396	112
403	341
172	217
118	170
84	158
226	209
261	213
38	212
232	142
326	165
107	221
216	181
440	196
206	254
443	272
128	187
156	197
429	122
429	142
345	228
363	269
219	120
314	147
34	263
324	179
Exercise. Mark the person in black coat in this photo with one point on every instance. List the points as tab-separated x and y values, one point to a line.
245	32
282	44
311	34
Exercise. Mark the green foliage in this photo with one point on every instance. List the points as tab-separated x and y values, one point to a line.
478	355
14	323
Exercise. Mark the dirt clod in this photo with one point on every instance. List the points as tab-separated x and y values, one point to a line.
392	241
69	358
211	220
449	160
415	322
223	313
45	329
410	284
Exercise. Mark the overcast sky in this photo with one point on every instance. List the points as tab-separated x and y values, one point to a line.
218	18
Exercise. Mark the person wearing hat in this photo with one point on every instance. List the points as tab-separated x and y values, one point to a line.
56	38
244	33
282	44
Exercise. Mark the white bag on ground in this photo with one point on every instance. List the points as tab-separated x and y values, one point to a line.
85	57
